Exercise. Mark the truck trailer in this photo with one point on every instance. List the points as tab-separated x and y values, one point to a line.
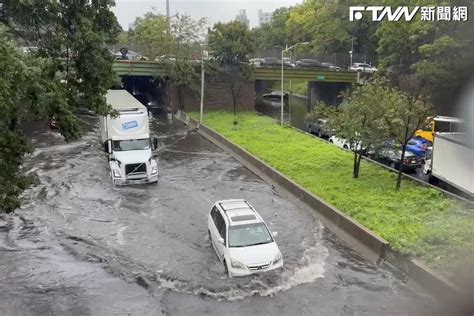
452	163
125	136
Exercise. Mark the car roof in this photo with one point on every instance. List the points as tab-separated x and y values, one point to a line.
239	212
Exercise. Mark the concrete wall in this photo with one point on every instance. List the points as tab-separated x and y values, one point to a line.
217	96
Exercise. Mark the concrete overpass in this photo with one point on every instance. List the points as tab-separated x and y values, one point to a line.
323	85
153	69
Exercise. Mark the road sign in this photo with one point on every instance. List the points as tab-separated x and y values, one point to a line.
321	77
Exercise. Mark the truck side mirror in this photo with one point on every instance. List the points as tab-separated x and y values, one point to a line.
155	143
108	146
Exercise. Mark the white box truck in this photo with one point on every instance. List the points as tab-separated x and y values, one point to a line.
126	140
452	162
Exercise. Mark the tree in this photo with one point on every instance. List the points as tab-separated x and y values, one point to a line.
71	69
361	121
150	35
230	45
181	46
405	112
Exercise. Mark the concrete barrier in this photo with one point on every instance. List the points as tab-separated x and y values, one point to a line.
342	225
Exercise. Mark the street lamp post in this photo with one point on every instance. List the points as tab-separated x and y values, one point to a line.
282	78
201	114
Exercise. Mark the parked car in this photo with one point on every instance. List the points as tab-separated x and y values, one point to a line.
241	239
275	95
341	142
392	158
270	62
168	57
331	66
418	146
29	49
257	62
363	67
307	63
288	63
319	128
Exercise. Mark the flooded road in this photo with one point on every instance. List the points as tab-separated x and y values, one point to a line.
80	246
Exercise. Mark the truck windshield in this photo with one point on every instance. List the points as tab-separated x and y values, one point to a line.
133	144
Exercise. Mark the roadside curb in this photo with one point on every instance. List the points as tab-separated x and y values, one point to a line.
345	227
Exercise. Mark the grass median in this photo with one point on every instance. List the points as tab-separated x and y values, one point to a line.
418	221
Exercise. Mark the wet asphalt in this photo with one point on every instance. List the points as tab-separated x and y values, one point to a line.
79	246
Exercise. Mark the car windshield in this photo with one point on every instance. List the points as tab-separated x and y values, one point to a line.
249	235
133	144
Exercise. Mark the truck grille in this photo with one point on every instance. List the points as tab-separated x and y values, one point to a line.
135	168
259	267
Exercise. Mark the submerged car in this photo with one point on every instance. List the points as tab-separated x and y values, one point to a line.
241	239
275	95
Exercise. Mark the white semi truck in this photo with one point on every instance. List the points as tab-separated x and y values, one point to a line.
452	162
126	140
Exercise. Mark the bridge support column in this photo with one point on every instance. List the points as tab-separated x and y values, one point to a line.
314	93
260	89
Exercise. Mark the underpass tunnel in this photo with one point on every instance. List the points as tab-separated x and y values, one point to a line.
150	91
327	92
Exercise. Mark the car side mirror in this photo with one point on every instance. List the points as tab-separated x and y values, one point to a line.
220	240
155	143
274	234
108	146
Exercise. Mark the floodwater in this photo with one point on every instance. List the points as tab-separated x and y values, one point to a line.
294	110
79	246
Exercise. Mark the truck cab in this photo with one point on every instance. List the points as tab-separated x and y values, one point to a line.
126	140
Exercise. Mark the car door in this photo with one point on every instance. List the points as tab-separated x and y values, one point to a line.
213	227
222	232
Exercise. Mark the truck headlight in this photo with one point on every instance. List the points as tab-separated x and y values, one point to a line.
278	258
237	264
116	173
154	170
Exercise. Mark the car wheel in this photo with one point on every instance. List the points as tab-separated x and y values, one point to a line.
392	165
319	134
345	147
330	140
310	130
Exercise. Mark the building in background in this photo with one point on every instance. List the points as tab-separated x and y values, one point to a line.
264	17
242	17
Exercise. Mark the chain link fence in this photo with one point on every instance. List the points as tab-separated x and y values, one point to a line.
343	60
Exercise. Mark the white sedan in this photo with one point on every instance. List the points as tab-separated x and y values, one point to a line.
241	239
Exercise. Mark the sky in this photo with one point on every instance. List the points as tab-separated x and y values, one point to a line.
215	10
